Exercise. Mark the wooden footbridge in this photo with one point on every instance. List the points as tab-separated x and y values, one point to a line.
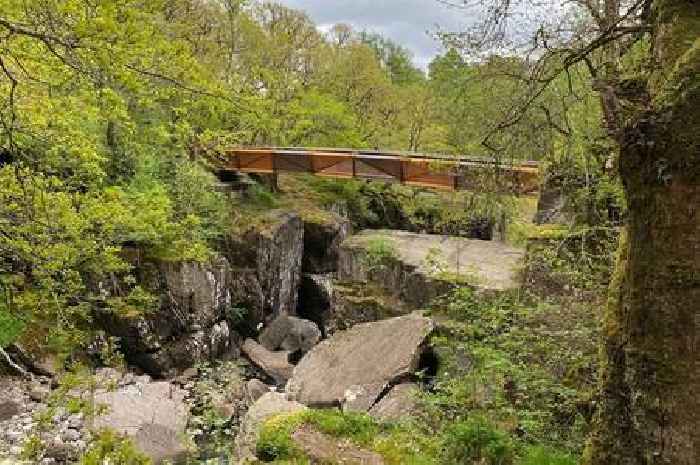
463	173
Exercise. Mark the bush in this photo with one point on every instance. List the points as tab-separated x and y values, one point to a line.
115	450
475	440
538	455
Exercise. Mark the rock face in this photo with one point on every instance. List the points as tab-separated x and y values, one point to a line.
291	334
266	407
153	414
370	357
275	364
398	403
322	448
190	324
266	260
415	267
322	239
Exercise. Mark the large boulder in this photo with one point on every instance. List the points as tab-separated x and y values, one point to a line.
154	415
291	334
189	324
266	257
274	364
323	234
369	357
269	405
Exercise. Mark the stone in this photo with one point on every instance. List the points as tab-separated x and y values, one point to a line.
323	235
412	272
160	442
70	435
275	364
39	392
291	334
9	409
369	355
361	398
255	389
400	402
322	448
144	413
266	407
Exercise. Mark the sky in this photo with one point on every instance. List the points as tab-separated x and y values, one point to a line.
410	23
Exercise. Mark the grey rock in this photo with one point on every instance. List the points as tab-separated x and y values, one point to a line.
370	355
413	276
8	409
268	406
145	413
266	260
322	239
400	402
70	435
255	389
274	364
160	442
291	334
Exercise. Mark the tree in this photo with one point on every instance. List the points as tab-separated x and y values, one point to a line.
649	410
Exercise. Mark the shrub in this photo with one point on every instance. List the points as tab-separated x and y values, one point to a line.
115	450
539	455
475	440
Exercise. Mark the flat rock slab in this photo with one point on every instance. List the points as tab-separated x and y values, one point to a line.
493	264
322	448
153	414
372	355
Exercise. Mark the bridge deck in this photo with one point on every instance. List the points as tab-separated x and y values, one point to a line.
414	170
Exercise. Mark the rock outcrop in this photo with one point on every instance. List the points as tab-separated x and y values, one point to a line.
416	268
323	235
266	407
190	323
370	358
266	258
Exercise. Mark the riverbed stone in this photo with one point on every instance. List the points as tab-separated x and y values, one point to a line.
275	364
291	334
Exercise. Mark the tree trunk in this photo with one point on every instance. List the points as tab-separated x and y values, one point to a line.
650	400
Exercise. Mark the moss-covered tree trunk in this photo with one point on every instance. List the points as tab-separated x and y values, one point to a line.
650	404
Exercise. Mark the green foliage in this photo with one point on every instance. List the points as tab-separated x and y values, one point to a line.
475	440
378	252
538	455
113	449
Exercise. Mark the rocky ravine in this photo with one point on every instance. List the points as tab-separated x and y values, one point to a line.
335	334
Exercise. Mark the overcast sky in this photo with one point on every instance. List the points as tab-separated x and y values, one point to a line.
408	22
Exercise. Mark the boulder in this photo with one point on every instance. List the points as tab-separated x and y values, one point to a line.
372	356
154	415
9	409
266	407
323	234
254	390
322	448
266	258
275	364
291	334
400	402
